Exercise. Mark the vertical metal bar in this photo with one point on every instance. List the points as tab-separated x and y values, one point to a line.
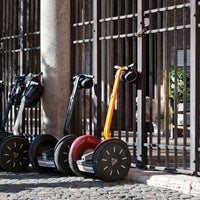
37	38
120	62
150	60
141	92
107	50
158	82
26	21
11	32
73	60
1	61
103	62
6	48
175	35
127	86
30	29
111	49
77	69
10	22
26	39
21	28
134	54
83	117
30	62
97	65
2	55
34	25
166	85
90	50
33	21
15	43
37	42
194	82
185	98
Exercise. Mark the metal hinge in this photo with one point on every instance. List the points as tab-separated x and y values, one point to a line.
142	32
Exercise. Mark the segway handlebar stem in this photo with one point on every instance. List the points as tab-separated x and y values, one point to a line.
113	97
76	85
28	81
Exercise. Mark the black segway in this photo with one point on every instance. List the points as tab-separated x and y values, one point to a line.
46	153
14	147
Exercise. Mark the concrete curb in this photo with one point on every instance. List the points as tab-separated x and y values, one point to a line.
182	183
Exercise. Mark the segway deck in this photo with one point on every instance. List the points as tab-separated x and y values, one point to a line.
47	158
85	164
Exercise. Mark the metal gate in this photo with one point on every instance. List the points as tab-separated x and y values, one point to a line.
19	54
159	115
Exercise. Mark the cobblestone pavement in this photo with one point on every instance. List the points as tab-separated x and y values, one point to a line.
32	185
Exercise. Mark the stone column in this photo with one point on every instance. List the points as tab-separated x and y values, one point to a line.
55	64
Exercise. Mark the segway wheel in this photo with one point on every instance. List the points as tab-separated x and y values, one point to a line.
40	143
82	145
14	154
61	153
111	160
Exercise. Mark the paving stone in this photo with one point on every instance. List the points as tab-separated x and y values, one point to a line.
31	185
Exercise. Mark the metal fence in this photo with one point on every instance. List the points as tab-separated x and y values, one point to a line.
159	115
19	54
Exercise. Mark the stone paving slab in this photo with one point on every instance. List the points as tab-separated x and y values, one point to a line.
31	185
183	183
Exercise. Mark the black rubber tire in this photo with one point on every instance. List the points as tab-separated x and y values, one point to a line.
14	154
3	135
61	153
35	150
111	160
79	146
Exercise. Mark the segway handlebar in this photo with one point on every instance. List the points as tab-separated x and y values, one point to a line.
84	76
31	78
129	67
37	75
89	76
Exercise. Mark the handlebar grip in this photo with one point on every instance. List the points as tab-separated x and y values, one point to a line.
83	75
130	67
89	76
117	66
39	74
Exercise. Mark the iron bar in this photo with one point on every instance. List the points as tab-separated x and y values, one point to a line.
141	91
97	65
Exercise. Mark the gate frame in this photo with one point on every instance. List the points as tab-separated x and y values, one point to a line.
194	90
141	89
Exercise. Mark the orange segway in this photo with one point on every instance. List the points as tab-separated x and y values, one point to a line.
109	160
